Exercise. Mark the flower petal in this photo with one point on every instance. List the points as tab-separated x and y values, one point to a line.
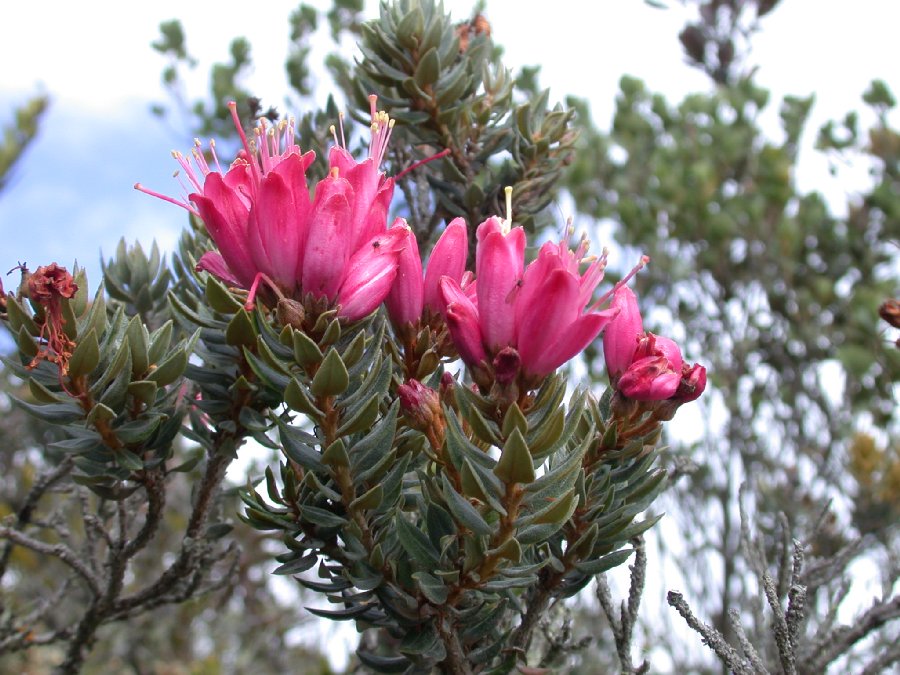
461	316
621	337
328	244
404	301
448	258
500	259
649	379
226	219
275	229
371	272
214	263
571	342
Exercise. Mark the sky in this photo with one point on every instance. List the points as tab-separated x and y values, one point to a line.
71	196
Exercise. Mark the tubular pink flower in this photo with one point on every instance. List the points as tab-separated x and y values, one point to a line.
621	337
649	379
462	321
266	228
644	366
538	317
448	259
651	345
499	259
404	302
410	294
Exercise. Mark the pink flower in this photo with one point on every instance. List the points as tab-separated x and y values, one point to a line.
523	322
644	366
267	229
410	295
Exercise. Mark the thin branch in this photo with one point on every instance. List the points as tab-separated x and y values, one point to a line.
748	649
43	483
59	551
711	636
840	640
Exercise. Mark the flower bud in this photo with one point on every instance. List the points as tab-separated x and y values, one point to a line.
290	313
421	405
693	382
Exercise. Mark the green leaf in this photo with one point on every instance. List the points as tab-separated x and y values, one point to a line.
25	342
219	298
240	330
510	550
558	511
331	378
369	501
548	433
86	355
383	664
55	413
429	68
143	391
432	587
416	544
363	419
341	614
128	460
515	465
170	369
514	419
18	318
604	563
139	431
335	455
138	342
43	395
306	351
297	398
321	517
299	452
466	514
100	413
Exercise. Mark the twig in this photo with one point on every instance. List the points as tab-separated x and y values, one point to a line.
841	639
711	636
59	551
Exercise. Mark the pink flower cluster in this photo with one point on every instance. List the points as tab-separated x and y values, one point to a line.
644	366
512	325
267	229
518	324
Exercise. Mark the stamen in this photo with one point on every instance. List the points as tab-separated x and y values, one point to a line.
254	287
166	198
507	222
637	268
334	135
212	151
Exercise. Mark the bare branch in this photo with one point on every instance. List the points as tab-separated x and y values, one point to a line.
713	638
840	640
59	551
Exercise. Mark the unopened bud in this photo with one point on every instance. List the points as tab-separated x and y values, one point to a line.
506	364
290	313
890	312
693	382
421	405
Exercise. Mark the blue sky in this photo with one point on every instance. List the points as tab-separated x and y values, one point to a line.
72	195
